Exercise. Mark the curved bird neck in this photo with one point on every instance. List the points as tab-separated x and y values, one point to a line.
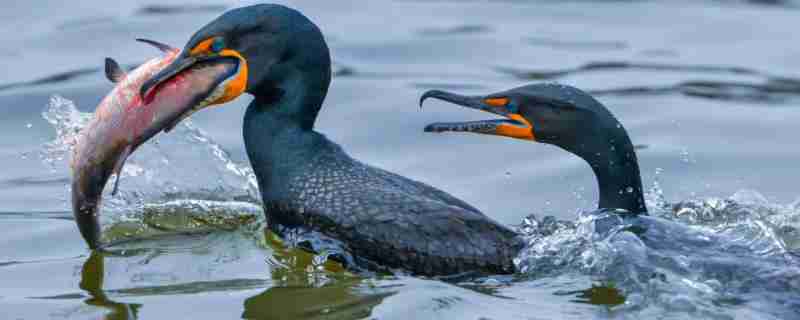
278	125
297	99
616	168
292	90
277	146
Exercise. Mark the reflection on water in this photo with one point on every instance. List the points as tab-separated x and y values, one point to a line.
300	287
694	257
92	274
711	101
338	301
596	295
704	258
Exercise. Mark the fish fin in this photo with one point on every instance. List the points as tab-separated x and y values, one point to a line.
118	168
114	72
160	46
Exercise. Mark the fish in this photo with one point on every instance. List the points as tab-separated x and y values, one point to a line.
124	120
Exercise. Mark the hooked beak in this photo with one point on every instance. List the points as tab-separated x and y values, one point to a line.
514	125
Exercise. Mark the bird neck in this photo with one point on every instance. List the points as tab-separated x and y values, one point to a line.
278	127
297	99
294	90
614	163
276	145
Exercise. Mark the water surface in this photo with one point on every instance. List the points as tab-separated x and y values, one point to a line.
708	90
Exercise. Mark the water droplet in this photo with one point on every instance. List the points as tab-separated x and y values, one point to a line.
686	156
29	125
629	189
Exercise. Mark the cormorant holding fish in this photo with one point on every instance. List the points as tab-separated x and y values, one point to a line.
568	118
308	181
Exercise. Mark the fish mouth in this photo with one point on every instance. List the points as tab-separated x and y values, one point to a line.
513	125
210	80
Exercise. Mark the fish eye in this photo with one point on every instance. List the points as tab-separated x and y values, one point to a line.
217	45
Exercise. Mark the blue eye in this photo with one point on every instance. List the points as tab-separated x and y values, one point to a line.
218	45
512	108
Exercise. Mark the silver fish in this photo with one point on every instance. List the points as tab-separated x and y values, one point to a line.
124	120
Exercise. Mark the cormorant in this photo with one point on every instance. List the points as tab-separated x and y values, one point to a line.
568	118
308	181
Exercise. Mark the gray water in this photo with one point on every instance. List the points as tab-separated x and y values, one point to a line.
708	91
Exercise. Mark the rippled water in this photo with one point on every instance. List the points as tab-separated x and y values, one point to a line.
709	91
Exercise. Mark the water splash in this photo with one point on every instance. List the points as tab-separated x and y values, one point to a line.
702	258
654	198
185	165
706	258
686	156
68	122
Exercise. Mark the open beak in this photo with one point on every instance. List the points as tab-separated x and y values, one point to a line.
514	125
206	80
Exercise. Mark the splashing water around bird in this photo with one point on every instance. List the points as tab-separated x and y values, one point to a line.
701	257
158	174
709	258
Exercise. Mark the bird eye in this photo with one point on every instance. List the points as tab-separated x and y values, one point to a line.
218	45
512	108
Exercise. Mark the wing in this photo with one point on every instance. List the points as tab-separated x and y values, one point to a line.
395	221
420	188
428	236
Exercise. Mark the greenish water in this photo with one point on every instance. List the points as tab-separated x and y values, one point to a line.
708	90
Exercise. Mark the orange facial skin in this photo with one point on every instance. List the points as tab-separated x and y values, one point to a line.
235	86
496	102
510	130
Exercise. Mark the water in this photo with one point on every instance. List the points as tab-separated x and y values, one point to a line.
708	91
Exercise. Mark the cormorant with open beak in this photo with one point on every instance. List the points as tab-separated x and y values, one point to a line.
568	118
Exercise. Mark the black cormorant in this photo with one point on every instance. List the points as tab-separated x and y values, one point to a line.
568	118
308	181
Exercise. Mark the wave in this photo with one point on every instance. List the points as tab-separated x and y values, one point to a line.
704	257
710	257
